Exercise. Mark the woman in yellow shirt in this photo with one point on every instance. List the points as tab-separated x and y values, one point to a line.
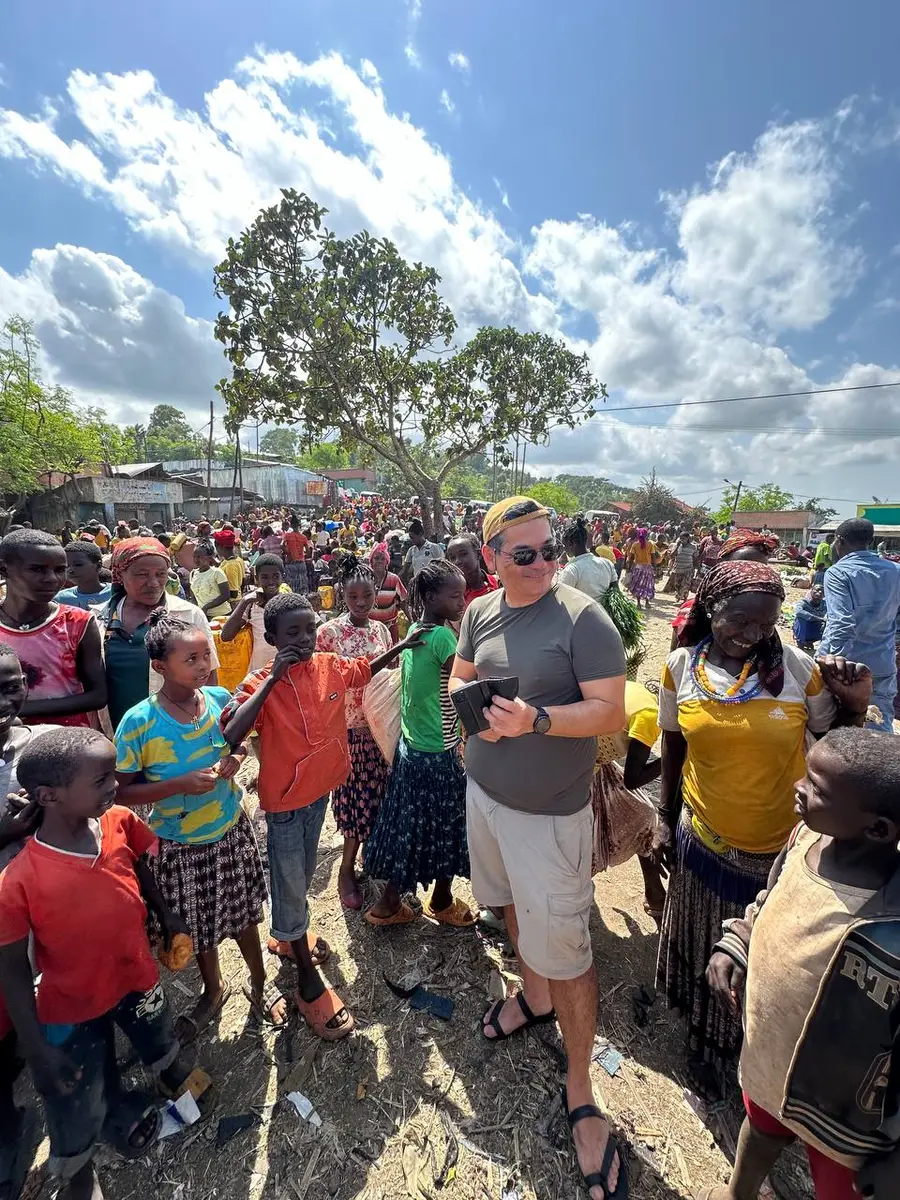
735	707
642	583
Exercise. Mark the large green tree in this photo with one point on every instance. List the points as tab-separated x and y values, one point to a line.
767	497
555	495
169	436
344	335
42	431
280	442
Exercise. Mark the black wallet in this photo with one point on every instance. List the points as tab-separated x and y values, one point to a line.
473	698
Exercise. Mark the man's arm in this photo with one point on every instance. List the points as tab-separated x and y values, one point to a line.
841	628
601	710
461	672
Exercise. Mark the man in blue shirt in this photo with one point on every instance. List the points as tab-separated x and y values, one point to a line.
862	593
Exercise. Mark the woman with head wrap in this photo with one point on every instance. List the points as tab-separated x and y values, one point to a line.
735	707
642	583
140	572
742	545
390	592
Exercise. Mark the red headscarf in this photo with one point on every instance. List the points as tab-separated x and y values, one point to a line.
225	538
740	539
728	579
129	551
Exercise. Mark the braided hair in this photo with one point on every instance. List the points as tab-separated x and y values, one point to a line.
162	629
576	534
351	569
428	583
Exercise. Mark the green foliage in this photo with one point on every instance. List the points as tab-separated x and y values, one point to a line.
324	456
283	443
768	497
625	615
554	495
345	335
594	491
823	512
169	436
41	429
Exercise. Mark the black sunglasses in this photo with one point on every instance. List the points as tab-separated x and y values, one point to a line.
524	556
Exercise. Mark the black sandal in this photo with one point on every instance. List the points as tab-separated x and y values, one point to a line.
132	1114
600	1178
492	1018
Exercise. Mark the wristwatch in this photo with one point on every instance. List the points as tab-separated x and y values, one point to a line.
541	721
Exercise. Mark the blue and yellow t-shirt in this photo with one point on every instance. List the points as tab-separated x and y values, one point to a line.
151	742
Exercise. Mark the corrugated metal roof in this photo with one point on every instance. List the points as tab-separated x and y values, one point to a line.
131	470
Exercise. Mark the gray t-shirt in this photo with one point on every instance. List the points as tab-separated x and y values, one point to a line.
563	640
420	556
18	738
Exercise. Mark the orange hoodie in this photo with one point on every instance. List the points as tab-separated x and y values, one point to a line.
302	729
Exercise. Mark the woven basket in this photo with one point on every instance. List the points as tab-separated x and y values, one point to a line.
611	746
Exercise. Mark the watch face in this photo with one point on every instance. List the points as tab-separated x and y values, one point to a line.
541	723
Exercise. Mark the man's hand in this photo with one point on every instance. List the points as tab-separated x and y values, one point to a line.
510	718
851	682
53	1071
171	924
726	980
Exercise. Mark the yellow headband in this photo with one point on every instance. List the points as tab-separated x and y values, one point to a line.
495	519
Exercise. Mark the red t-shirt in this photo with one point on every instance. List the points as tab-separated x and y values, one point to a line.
296	545
302	727
490	585
88	919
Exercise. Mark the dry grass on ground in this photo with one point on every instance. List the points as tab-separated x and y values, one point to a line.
408	1092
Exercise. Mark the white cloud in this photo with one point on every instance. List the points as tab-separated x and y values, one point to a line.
412	56
761	248
446	103
457	59
111	335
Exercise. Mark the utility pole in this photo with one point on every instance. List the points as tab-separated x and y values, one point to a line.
737	496
209	452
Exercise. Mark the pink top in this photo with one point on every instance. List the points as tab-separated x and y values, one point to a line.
49	654
342	637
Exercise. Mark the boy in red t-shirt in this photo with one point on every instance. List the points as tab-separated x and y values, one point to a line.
296	706
97	970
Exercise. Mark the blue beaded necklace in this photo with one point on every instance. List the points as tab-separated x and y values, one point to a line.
705	688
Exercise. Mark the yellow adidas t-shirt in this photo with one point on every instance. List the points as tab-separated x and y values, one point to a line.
744	759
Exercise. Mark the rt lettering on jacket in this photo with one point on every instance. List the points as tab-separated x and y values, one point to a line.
883	989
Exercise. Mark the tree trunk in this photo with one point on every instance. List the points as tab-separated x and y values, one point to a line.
432	510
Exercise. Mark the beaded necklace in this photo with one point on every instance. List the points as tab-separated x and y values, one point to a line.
733	694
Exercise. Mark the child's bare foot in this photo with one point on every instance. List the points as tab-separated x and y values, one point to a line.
84	1185
348	889
190	1025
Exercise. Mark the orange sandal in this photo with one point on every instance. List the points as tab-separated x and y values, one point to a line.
458	914
319	1012
403	916
319	950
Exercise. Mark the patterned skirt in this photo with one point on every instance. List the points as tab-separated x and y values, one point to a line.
642	583
420	830
218	889
296	576
357	801
704	890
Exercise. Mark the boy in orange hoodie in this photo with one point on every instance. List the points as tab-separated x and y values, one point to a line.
296	706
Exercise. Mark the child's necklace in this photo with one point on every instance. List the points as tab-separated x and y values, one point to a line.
22	626
195	717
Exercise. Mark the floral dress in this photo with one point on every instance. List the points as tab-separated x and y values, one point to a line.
357	801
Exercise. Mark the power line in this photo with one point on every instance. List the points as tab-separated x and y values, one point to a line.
859	387
826	429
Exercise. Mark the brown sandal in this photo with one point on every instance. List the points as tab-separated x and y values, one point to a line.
319	1012
458	914
403	916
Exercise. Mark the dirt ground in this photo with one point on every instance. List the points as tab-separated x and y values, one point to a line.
415	1106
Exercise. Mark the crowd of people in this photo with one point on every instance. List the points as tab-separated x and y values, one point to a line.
140	667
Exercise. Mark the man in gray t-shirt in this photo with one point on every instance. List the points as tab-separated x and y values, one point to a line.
420	553
528	810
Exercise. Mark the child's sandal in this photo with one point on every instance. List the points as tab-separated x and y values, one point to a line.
457	914
318	1013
